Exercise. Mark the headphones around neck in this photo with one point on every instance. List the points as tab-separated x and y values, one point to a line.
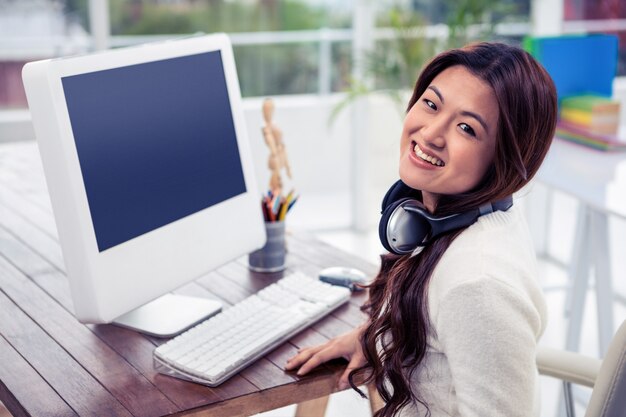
406	224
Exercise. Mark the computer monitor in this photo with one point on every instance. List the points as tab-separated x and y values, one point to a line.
149	171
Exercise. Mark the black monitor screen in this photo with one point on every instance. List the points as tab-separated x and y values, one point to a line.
156	142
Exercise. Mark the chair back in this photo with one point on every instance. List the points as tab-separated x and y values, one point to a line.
608	398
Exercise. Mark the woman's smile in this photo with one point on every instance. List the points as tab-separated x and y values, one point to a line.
423	156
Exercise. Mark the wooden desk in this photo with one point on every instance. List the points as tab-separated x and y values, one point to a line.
50	364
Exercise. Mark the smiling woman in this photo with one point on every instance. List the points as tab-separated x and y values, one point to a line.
454	322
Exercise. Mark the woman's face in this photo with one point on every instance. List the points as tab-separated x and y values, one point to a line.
449	135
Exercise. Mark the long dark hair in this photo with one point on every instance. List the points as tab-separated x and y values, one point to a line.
394	341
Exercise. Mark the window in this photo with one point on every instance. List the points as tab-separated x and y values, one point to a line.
272	62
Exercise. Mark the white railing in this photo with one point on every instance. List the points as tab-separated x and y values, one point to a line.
36	48
604	25
325	37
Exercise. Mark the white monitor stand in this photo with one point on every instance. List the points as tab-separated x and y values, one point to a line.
169	315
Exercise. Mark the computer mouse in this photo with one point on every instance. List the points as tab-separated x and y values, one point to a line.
344	276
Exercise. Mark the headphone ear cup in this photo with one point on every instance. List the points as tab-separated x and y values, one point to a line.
403	226
384	221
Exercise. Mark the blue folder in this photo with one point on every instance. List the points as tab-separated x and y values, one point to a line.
578	64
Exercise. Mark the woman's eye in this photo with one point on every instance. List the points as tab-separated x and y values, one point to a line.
467	129
430	104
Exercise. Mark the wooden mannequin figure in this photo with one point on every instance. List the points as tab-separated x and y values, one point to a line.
278	155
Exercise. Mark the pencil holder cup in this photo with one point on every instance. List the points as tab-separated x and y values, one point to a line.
271	257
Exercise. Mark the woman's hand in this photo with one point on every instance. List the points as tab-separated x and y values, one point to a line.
347	346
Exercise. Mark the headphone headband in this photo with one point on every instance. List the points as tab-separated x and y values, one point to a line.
406	224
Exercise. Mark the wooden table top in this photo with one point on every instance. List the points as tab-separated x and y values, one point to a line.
50	364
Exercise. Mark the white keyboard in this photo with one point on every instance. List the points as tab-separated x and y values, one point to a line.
224	344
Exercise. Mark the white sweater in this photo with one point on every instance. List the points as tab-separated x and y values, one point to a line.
487	312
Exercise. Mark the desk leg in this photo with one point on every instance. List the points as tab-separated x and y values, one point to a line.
602	272
578	275
579	279
312	408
